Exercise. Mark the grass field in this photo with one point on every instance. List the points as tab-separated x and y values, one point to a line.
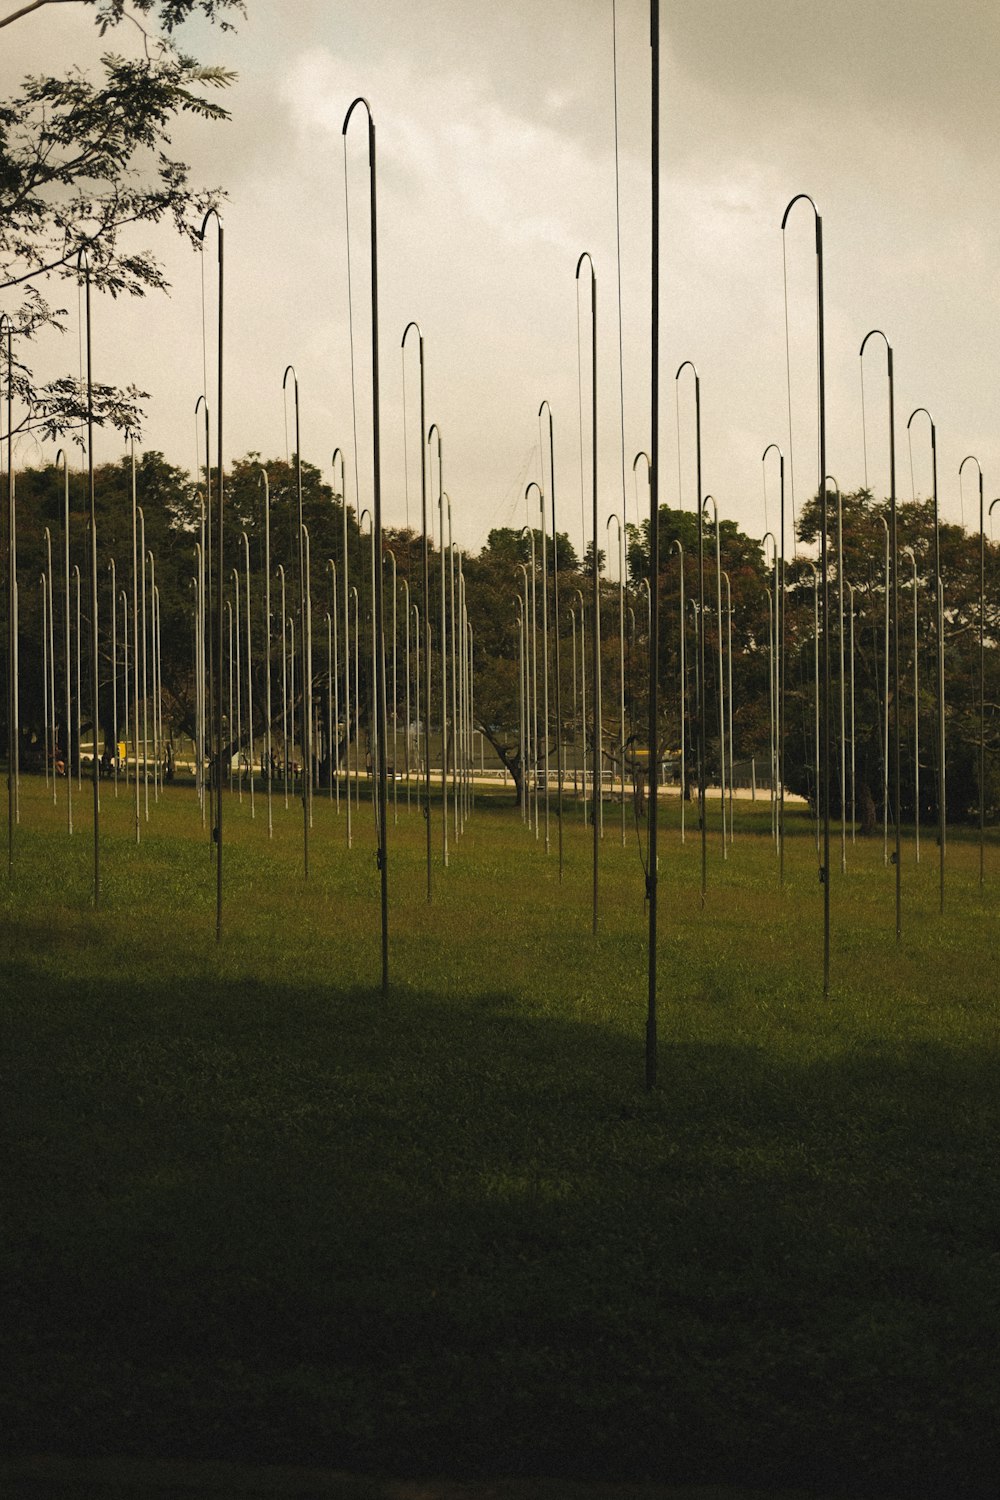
257	1213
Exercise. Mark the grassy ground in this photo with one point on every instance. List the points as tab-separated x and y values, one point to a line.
256	1213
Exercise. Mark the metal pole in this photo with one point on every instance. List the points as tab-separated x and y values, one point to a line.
7	327
124	599
454	681
335	684
67	645
583	697
909	552
425	570
114	658
152	653
265	485
406	738
307	686
304	632
94	684
854	808
79	726
722	704
388	552
545	657
824	791
444	651
970	458
621	654
521	737
143	653
894	626
337	452
284	683
654	557
840	642
52	665
532	610
246	552
382	856
885	705
683	682
700	675
598	803
220	581
729	670
357	701
939	633
560	754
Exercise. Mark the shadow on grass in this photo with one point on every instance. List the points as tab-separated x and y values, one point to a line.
456	1238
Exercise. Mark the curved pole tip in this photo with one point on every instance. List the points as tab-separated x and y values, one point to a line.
347	118
792	203
871	334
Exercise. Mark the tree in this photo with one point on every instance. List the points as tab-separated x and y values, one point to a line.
81	163
864	567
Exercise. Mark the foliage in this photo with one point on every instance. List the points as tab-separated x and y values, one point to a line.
83	162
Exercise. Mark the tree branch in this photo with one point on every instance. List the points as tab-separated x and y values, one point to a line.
26	10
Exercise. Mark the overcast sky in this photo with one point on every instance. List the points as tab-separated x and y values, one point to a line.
496	168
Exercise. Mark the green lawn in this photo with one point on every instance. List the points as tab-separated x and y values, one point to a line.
257	1213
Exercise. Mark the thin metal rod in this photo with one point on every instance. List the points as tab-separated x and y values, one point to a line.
560	751
700	674
425	571
220	577
382	855
337	452
652	875
892	688
823	791
598	799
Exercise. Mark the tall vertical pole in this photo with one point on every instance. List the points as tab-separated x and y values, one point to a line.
621	655
779	626
892	581
721	693
334	693
683	677
7	327
67	649
265	486
598	799
560	754
729	691
654	557
284	684
454	680
220	581
52	664
382	856
114	665
94	680
700	616
246	553
970	458
425	571
854	806
824	789
909	552
304	632
338	453
939	638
